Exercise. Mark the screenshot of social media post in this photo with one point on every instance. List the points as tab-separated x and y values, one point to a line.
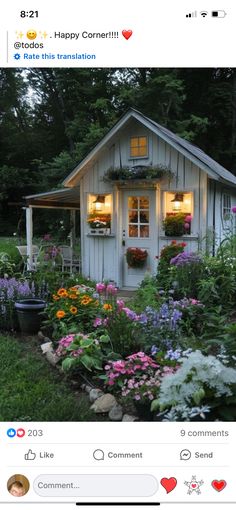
117	256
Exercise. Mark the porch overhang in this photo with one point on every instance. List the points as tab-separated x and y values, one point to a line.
66	198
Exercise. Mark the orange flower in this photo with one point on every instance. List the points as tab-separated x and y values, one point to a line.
74	289
73	310
62	293
86	300
60	314
55	298
107	307
73	295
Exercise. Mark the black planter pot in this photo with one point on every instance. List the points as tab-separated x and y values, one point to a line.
29	314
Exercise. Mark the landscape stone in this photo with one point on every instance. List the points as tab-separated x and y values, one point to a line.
48	347
104	403
52	358
116	413
129	417
94	394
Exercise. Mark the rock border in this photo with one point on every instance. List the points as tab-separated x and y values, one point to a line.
102	403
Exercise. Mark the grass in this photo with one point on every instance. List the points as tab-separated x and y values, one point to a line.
32	390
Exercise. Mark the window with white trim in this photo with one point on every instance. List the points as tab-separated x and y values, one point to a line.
226	206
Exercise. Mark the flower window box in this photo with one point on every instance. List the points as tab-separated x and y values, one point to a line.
99	214
100	231
178	213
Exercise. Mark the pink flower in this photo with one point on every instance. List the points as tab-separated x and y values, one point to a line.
120	304
194	301
111	289
97	322
100	287
188	218
186	226
233	209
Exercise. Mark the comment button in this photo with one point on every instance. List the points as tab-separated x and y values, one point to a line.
101	485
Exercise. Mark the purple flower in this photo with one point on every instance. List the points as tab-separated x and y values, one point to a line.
173	355
233	209
154	350
185	258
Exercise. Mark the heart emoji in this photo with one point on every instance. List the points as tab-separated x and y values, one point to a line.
169	484
127	34
193	485
20	433
218	485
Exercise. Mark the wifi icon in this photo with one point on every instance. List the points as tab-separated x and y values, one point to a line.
204	14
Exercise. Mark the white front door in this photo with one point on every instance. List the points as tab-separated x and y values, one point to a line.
139	231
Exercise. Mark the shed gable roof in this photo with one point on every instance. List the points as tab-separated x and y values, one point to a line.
189	150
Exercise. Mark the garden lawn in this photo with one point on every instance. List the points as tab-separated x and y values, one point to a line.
31	390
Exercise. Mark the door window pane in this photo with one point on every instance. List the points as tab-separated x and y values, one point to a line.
133	231
144	230
144	202
138	216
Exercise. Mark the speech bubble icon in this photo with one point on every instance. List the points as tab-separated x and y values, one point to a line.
185	454
98	454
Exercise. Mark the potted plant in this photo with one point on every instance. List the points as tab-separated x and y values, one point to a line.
99	223
136	257
177	224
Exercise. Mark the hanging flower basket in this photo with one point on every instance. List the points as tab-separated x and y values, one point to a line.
136	257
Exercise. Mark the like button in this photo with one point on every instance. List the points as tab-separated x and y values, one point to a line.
30	455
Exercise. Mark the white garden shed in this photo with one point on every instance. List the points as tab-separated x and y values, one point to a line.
139	174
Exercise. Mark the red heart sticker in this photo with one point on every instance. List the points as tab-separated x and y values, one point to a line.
127	34
218	485
193	485
20	432
169	484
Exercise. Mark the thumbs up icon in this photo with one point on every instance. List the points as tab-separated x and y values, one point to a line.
30	455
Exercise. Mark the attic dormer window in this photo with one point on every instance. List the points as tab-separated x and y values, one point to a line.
138	146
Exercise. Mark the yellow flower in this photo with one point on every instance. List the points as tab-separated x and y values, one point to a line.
62	293
55	298
60	314
74	289
107	307
73	310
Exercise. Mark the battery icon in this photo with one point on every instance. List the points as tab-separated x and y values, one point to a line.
218	14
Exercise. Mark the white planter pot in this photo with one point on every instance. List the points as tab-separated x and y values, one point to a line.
100	231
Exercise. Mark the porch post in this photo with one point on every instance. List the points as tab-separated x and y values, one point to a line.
72	236
29	237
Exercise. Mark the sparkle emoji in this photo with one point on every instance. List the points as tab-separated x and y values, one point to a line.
31	35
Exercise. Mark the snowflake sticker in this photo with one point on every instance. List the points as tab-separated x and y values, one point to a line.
194	485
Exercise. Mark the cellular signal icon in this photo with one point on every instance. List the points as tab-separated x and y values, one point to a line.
191	14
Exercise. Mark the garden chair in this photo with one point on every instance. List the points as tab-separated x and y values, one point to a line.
23	253
68	261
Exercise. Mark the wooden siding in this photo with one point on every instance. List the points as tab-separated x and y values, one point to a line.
102	258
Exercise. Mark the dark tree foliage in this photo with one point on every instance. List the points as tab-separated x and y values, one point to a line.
50	119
